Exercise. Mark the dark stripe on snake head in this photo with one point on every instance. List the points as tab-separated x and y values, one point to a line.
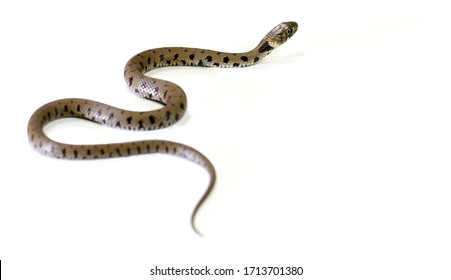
265	47
130	81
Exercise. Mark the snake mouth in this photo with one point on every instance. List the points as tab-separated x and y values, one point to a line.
292	27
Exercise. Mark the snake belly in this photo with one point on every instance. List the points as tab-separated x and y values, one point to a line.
170	95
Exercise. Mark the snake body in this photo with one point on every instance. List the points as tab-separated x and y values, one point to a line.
167	93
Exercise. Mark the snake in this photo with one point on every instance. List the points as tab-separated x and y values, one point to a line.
167	93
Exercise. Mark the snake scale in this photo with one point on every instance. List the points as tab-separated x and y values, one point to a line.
170	95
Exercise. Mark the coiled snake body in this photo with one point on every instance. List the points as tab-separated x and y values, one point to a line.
167	93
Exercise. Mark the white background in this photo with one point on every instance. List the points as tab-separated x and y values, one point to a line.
333	154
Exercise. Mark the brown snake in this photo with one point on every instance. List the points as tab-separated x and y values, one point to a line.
167	93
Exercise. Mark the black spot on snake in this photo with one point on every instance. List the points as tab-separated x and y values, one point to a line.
148	60
152	119
63	151
111	116
118	124
78	108
236	64
161	57
226	59
176	56
244	58
209	58
168	115
256	59
191	56
75	153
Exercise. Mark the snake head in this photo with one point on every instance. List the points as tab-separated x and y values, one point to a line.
281	33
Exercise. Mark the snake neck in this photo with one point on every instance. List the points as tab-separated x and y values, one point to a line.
163	91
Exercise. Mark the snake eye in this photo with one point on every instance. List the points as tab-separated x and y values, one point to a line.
290	31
